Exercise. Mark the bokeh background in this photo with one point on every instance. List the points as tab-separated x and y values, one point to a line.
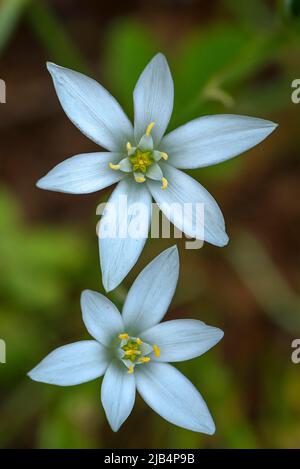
226	56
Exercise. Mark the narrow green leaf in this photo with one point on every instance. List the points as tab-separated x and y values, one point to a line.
10	13
268	286
51	33
130	46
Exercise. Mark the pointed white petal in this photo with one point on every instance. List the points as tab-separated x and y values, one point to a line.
101	317
125	165
82	174
72	364
123	230
117	394
182	203
212	139
146	143
91	108
153	99
151	293
181	339
154	172
169	393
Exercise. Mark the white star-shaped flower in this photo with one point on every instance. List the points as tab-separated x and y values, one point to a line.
132	350
143	161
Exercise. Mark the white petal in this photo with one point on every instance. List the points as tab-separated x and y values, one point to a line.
153	99
101	317
169	393
82	174
184	202
123	230
213	139
182	339
72	364
125	165
91	108
151	293
154	172
117	394
146	143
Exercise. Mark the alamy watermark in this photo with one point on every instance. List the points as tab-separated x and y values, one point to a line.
2	92
295	356
124	219
2	351
295	96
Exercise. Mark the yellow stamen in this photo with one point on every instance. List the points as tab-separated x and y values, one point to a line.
138	341
139	179
149	128
123	336
164	183
130	369
156	350
164	155
128	146
144	359
128	353
114	166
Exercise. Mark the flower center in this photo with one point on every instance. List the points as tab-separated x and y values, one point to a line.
141	160
133	351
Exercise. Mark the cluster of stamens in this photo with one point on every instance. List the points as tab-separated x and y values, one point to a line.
133	351
142	160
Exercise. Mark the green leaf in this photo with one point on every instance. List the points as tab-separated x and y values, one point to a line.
201	58
130	46
291	8
10	14
263	278
51	33
213	63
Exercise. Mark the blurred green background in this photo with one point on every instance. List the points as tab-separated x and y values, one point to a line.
226	56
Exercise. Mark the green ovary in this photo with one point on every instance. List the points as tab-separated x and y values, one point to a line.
141	161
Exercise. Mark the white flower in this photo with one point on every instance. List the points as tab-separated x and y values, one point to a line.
132	350
146	162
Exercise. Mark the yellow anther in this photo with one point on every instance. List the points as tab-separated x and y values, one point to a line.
139	179
130	369
138	341
164	183
128	146
144	359
164	155
130	352
123	336
114	166
149	128
156	350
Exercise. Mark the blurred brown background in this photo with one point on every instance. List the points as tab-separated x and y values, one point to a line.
225	56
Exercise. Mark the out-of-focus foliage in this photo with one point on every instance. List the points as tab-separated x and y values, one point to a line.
267	284
240	59
37	265
51	33
10	13
38	272
130	46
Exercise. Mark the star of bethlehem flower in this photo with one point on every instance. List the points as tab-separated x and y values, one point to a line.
132	349
145	162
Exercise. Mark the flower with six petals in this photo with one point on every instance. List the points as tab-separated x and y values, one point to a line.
132	351
143	161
